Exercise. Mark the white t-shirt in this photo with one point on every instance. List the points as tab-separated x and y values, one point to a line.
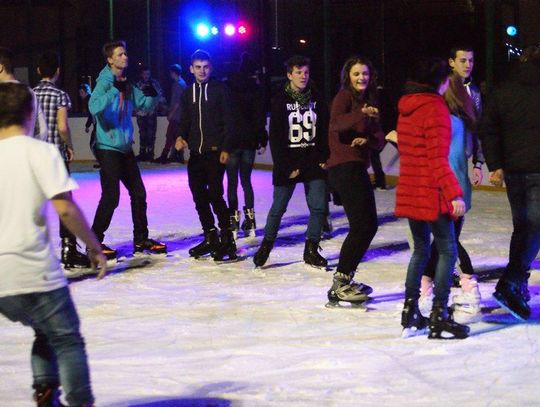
31	173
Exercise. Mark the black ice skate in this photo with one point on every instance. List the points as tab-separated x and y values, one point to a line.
110	254
510	296
207	246
71	257
345	289
149	246
443	326
262	254
47	396
235	223
227	248
249	225
412	321
312	256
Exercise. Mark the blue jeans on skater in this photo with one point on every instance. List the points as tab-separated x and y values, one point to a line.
523	191
444	238
58	353
315	191
240	161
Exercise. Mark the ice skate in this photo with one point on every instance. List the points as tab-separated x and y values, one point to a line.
262	254
47	396
466	306
71	258
110	254
425	302
226	250
443	326
312	257
345	289
207	246
149	246
509	295
249	225
412	320
235	222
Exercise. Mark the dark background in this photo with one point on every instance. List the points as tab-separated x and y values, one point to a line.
392	33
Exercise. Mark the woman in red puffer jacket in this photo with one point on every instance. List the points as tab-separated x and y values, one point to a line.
428	194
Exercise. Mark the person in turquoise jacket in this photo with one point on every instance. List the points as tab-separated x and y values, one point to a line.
111	104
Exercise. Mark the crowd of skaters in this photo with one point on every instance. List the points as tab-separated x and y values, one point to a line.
440	126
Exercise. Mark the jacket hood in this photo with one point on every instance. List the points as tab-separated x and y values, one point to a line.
106	75
413	101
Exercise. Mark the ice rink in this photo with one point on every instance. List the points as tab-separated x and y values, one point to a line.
181	332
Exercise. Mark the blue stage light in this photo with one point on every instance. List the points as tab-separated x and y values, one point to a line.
202	30
214	30
511	31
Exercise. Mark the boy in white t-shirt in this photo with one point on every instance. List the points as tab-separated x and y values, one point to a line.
33	289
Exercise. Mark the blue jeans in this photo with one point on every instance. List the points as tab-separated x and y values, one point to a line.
316	199
58	353
523	191
240	161
444	238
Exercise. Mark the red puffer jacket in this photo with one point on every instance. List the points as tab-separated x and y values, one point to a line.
426	185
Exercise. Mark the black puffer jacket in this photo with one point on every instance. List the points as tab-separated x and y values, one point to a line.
510	129
206	118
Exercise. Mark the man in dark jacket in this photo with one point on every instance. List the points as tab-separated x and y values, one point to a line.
511	141
299	145
206	127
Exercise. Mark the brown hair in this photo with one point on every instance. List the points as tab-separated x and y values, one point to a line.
16	104
109	47
459	102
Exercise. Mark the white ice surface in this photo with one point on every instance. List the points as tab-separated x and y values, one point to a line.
183	332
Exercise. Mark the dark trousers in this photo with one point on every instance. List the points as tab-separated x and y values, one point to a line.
172	134
240	162
380	177
463	257
64	231
351	181
147	132
205	177
523	191
118	167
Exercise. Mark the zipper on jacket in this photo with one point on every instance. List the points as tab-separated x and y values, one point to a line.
200	117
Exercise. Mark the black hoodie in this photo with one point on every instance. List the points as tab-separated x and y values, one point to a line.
206	118
298	138
510	130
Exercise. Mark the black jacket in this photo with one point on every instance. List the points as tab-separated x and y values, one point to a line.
302	144
249	112
510	130
206	118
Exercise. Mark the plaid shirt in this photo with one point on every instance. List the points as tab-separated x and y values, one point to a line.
51	99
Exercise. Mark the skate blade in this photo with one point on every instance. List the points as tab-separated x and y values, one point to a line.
503	305
447	336
225	261
359	306
412	331
148	253
312	267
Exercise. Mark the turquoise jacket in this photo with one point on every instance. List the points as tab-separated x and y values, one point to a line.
114	128
457	158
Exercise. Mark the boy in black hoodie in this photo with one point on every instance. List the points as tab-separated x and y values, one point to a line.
299	145
206	127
